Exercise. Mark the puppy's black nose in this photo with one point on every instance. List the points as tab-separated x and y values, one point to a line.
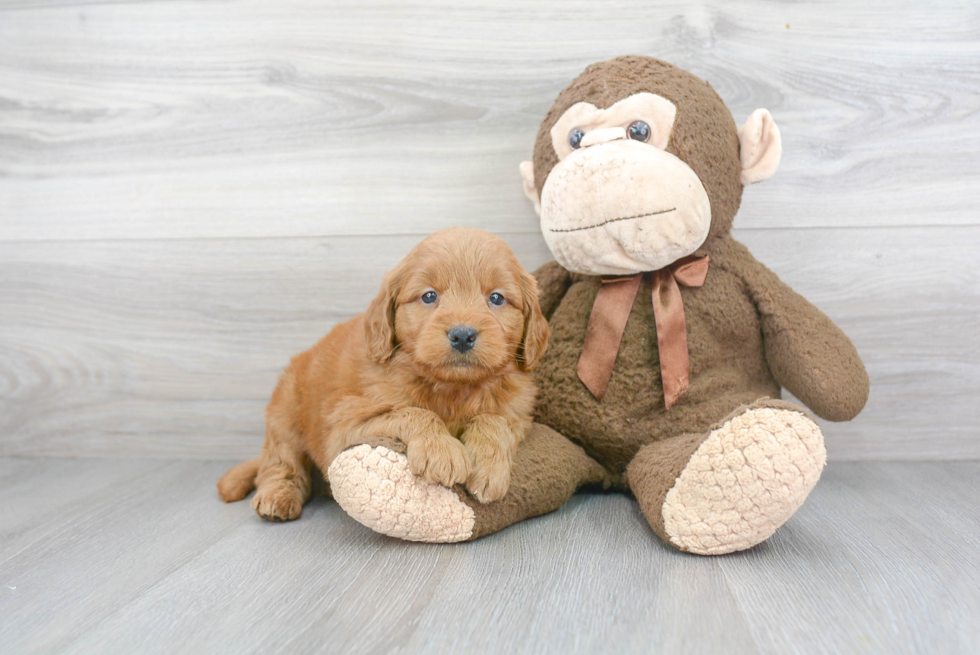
462	337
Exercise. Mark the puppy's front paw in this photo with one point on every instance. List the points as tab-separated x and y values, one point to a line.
438	458
489	476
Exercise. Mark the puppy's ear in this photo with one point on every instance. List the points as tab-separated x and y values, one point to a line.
379	320
535	340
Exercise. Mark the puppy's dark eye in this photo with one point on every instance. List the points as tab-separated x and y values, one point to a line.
496	299
430	297
575	137
638	130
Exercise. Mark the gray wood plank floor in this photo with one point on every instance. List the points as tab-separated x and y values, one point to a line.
140	556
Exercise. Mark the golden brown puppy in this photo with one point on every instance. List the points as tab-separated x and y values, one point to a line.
440	361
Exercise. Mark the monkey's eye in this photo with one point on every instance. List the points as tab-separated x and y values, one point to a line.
429	297
575	137
496	299
638	130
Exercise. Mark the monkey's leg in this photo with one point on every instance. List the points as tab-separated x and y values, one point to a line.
373	484
732	487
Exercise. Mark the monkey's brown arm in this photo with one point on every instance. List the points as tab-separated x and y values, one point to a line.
806	352
553	282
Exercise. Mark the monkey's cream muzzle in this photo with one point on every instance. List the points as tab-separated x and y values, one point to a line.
600	215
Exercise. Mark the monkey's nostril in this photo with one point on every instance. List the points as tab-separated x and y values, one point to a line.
462	337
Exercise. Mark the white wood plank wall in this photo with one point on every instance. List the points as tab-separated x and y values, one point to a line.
192	192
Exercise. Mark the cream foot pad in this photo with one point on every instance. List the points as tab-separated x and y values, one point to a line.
744	481
376	488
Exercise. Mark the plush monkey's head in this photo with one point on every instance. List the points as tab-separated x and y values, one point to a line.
638	163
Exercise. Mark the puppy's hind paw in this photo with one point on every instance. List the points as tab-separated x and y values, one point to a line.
278	502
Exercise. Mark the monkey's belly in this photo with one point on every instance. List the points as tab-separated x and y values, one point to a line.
727	363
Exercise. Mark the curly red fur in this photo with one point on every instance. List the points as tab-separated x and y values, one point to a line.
393	372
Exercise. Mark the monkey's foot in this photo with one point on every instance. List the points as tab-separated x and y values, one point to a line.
375	486
744	481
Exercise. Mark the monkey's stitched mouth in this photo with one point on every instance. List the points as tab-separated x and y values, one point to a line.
613	220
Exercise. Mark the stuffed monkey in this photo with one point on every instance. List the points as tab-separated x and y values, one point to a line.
669	342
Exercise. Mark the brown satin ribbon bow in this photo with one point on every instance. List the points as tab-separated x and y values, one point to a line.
611	310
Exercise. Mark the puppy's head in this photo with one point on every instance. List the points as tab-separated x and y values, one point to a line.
460	308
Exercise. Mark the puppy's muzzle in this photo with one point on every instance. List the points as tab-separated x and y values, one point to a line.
462	337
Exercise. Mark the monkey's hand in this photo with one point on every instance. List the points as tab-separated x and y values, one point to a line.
806	352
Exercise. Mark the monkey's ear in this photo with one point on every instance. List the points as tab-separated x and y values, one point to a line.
760	147
530	190
379	320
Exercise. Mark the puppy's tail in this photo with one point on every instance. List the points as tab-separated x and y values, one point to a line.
238	481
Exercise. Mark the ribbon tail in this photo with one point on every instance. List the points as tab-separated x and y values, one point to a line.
607	323
668	310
